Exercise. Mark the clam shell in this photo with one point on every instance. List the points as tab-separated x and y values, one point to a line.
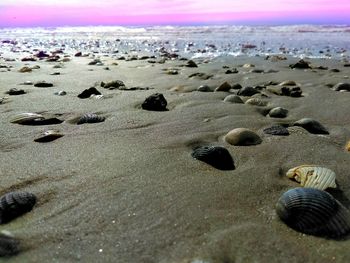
90	118
242	137
49	136
256	102
216	156
14	204
8	245
311	126
313	176
26	117
314	212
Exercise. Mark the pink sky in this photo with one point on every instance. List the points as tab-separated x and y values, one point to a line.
121	12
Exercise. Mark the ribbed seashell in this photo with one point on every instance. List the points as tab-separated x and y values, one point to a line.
314	212
242	137
256	102
313	176
90	118
9	246
26	117
49	136
14	204
216	156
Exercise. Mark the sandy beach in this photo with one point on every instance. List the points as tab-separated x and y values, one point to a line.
128	190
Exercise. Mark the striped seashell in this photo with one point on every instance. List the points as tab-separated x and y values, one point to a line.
216	156
313	176
314	212
90	118
49	136
9	246
14	204
26	117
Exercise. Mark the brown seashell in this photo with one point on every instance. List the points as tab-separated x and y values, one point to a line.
242	137
224	87
313	176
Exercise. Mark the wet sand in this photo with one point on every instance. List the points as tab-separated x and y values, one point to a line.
128	190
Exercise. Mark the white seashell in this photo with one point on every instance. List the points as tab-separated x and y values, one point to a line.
24	117
313	176
97	97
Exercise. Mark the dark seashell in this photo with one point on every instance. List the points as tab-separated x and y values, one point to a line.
42	121
236	86
90	118
311	126
231	71
191	64
88	92
276	130
115	84
204	88
43	84
49	136
292	91
301	64
216	156
314	212
155	102
15	204
9	246
342	86
247	91
15	91
78	54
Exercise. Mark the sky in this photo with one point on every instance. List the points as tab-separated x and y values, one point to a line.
30	13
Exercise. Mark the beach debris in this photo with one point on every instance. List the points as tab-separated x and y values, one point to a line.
9	246
247	91
256	102
88	92
313	176
278	112
115	84
90	118
292	91
43	84
233	99
29	118
216	156
342	87
278	130
60	93
15	204
314	212
204	88
224	87
49	136
15	91
155	102
242	137
311	126
301	64
231	71
25	69
191	64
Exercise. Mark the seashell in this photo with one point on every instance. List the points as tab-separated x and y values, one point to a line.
14	204
204	88
247	91
60	93
313	176
233	99
276	130
314	212
96	97
288	83
224	87
15	91
242	137
25	69
9	246
191	64
342	86
49	136
88	92
25	117
90	118
256	102
216	156
43	84
115	84
278	112
311	126
155	102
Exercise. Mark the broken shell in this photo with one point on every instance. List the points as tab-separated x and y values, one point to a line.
217	156
314	212
49	136
14	204
25	117
313	176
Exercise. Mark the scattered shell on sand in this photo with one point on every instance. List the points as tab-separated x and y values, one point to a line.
342	87
276	130
155	102
311	126
278	112
247	91
15	91
256	102
60	93
233	99
204	88
90	118
25	117
25	70
49	136
88	92
43	84
314	212
15	204
224	87
313	176
242	137
216	156
9	246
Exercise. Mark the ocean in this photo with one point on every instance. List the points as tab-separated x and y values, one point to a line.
188	41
